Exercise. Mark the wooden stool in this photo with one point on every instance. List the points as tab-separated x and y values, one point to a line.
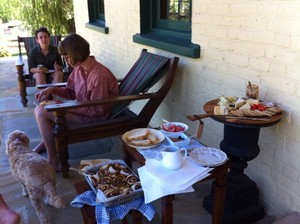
88	212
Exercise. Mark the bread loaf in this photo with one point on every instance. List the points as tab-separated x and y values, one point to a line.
141	142
138	135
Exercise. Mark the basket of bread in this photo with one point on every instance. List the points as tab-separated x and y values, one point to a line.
143	138
113	182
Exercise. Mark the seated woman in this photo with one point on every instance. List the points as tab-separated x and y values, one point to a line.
45	63
89	80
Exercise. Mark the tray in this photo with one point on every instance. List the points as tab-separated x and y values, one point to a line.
91	171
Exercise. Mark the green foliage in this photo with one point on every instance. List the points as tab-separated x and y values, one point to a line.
3	52
55	15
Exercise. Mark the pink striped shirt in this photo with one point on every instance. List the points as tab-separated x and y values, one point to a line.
98	82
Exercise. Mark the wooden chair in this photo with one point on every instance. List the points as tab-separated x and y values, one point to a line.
150	69
25	78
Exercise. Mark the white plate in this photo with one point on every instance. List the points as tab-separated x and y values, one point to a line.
47	102
155	132
50	71
206	156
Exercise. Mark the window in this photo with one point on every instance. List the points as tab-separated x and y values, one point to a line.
166	24
97	16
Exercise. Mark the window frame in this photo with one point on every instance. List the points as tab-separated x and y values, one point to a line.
161	34
96	12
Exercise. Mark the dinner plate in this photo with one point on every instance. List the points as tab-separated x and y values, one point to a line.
206	156
160	136
47	102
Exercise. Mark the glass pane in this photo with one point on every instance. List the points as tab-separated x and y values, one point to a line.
179	10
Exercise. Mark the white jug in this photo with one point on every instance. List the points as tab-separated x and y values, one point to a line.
172	158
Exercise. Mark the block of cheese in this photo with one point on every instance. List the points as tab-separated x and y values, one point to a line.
252	101
240	102
246	106
220	110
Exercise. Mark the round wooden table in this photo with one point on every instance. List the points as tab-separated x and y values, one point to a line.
240	143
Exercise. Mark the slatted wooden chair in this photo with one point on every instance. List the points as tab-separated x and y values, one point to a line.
25	78
150	69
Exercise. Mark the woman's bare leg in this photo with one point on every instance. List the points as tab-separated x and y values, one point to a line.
7	215
45	123
44	120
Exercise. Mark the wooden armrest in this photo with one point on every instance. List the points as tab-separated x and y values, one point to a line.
113	100
59	84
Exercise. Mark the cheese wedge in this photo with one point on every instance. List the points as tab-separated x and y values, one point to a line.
240	102
252	101
246	106
220	110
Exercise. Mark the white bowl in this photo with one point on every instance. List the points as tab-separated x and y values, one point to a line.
178	139
174	127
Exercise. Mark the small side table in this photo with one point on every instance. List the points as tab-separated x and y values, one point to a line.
218	174
240	143
88	212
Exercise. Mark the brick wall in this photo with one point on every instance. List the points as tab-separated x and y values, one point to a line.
240	40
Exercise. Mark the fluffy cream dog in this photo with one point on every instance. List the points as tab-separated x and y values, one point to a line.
36	175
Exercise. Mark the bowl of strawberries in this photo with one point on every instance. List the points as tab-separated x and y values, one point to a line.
174	127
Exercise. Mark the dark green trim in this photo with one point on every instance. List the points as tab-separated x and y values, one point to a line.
172	36
97	27
96	16
168	43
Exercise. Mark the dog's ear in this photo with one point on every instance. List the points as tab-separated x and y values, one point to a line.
24	138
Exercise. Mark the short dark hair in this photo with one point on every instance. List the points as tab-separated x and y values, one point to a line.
42	29
75	46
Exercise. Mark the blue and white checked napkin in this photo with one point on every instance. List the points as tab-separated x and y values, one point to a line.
105	214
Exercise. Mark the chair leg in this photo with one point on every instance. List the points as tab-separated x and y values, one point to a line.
137	217
63	156
22	85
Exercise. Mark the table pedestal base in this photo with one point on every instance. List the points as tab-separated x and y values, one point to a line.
241	204
242	195
240	143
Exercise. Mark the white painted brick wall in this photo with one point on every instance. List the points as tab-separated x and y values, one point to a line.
240	40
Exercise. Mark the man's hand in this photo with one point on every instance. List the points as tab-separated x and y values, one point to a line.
57	67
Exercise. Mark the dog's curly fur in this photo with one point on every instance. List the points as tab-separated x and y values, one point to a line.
36	175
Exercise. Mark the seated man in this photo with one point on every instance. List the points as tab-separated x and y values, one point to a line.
45	63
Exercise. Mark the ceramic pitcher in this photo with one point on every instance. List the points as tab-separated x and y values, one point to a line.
172	158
